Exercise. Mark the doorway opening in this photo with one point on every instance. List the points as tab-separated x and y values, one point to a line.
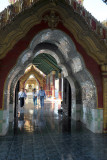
46	48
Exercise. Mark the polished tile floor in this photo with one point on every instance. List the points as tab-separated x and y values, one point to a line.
45	135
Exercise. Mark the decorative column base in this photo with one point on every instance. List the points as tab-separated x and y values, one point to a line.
11	113
4	122
76	112
93	119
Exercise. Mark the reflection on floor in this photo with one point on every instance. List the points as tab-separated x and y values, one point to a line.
45	135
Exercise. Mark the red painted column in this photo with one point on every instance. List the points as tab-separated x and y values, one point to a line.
48	85
53	83
60	86
44	84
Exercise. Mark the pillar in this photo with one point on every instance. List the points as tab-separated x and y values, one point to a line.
44	84
53	83
104	74
48	85
60	87
66	104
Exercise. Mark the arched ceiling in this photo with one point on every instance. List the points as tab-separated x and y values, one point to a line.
46	63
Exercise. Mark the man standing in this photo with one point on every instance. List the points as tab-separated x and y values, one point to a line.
35	97
42	95
22	95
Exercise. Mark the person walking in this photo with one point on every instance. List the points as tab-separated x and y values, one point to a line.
22	96
35	94
42	95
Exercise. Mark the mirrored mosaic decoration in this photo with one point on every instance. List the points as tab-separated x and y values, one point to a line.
88	94
67	57
45	36
68	50
26	57
63	46
76	65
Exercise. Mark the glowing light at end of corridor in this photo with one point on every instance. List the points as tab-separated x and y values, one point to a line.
31	111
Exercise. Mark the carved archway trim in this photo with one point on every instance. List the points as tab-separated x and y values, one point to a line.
73	22
35	49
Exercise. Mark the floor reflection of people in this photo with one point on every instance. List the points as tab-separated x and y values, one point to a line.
38	118
64	124
42	121
21	121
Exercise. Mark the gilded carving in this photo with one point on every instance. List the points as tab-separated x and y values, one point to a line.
52	19
90	42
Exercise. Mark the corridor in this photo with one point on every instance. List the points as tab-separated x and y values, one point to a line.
47	135
59	46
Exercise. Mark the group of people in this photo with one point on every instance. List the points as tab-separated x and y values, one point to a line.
41	94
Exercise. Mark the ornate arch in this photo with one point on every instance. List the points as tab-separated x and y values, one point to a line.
38	77
84	44
66	55
62	48
34	78
70	20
